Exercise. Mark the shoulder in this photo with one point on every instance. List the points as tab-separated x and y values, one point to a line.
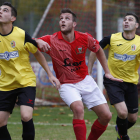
137	36
19	30
84	36
81	34
118	35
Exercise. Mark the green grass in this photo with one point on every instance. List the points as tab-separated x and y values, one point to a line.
55	123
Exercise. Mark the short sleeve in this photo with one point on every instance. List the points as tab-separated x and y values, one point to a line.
105	42
30	44
93	44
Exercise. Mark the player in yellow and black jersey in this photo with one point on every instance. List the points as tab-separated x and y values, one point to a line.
17	79
123	63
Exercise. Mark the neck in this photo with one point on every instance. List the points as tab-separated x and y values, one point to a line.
70	37
5	28
129	35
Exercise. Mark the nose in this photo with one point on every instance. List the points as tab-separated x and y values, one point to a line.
126	20
63	20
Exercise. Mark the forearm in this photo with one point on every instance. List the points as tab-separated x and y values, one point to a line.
42	61
102	58
91	60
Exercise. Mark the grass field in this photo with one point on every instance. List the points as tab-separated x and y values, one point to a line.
55	123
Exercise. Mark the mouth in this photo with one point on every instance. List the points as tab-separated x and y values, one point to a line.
126	26
63	25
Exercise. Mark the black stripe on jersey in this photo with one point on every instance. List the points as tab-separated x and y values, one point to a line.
105	41
29	39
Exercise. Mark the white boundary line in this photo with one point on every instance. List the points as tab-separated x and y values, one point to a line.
66	124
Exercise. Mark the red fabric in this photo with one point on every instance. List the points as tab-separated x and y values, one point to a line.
69	57
96	130
79	127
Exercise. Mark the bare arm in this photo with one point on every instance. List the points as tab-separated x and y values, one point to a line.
42	61
42	45
102	58
91	60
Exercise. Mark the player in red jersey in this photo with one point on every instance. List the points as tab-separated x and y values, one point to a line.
67	50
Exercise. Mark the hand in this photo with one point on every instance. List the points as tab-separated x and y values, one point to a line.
42	45
109	76
55	82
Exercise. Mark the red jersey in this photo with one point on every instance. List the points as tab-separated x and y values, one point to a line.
69	58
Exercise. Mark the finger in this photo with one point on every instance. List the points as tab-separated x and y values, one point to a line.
116	79
53	83
57	84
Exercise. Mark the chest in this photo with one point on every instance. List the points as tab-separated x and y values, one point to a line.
62	49
125	47
10	44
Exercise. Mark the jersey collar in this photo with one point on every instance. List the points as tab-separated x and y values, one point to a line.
8	33
127	39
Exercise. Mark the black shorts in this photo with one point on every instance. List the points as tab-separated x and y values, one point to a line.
20	96
122	91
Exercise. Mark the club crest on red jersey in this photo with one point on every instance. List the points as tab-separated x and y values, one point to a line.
13	44
80	49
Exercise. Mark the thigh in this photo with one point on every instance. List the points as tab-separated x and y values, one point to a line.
4	115
131	98
91	94
115	91
8	100
26	96
69	93
101	110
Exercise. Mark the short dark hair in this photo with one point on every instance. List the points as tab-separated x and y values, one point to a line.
133	14
67	10
13	9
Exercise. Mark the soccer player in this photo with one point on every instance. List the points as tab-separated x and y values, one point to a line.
123	62
68	48
17	79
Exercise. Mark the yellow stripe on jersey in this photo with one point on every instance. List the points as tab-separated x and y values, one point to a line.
15	69
124	57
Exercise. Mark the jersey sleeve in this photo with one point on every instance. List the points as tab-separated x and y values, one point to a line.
30	44
105	42
46	38
93	44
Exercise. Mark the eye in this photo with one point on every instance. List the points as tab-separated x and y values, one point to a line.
5	10
124	20
67	18
130	19
61	18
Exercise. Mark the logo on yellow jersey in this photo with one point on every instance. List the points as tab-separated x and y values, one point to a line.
133	47
13	44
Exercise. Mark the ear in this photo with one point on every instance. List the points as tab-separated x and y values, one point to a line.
13	18
74	24
137	25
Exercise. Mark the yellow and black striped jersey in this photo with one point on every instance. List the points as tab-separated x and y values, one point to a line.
124	56
15	69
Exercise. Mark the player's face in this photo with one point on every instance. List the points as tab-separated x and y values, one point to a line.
5	14
129	23
66	23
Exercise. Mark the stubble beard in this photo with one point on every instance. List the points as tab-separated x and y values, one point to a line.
66	32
